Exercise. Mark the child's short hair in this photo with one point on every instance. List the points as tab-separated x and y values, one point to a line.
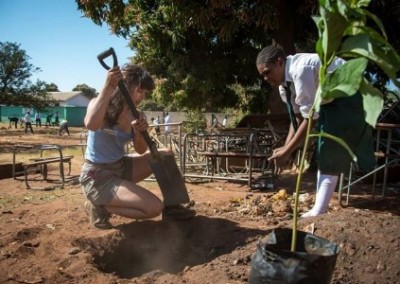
270	54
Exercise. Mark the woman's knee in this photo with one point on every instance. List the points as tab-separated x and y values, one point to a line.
154	208
133	196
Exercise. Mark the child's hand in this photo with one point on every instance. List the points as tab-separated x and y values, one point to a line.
280	159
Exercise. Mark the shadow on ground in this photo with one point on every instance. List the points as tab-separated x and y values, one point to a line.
154	247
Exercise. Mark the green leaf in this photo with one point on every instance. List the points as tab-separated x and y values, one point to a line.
377	21
361	3
320	25
343	9
334	27
372	102
345	80
318	99
376	49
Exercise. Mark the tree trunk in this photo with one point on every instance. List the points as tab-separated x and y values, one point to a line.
284	33
275	103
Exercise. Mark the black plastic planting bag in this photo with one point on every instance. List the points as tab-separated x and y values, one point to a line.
313	261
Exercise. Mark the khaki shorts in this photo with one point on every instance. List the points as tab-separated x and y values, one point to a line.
100	182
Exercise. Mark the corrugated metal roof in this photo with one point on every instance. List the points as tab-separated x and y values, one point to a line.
63	96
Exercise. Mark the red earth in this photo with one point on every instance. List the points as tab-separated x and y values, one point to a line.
45	235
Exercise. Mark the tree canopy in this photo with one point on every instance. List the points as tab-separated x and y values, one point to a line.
88	91
52	87
203	52
15	71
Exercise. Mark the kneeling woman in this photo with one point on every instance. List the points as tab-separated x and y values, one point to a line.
109	178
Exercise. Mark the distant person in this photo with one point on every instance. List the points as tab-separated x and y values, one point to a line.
56	119
63	127
156	123
21	121
48	119
13	120
162	120
152	130
38	120
28	122
214	121
224	121
167	119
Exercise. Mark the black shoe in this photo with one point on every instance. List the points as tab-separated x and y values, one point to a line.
98	216
178	212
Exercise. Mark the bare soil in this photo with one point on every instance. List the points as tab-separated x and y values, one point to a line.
45	236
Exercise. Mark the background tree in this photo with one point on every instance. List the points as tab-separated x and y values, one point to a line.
15	71
200	52
388	11
52	87
88	91
36	96
203	52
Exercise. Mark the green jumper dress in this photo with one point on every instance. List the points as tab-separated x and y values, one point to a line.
345	118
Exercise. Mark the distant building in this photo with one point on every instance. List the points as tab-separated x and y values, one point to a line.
77	99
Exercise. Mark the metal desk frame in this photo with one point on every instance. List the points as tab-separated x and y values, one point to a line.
391	156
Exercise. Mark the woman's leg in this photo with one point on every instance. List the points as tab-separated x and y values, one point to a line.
133	201
140	169
140	165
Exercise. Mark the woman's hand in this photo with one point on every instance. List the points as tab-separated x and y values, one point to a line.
114	75
140	124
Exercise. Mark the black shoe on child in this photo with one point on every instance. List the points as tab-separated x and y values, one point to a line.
98	216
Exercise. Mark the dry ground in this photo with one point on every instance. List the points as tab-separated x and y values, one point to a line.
45	236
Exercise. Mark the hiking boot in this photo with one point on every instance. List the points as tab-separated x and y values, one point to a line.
178	212
98	216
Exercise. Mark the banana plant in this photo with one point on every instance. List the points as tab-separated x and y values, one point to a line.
344	32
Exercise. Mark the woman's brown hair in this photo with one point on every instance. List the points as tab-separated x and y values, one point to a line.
134	75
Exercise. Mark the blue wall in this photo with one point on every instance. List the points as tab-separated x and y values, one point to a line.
74	115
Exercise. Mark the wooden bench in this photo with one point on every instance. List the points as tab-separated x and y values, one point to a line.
35	162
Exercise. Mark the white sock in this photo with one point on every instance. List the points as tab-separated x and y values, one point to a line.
326	185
